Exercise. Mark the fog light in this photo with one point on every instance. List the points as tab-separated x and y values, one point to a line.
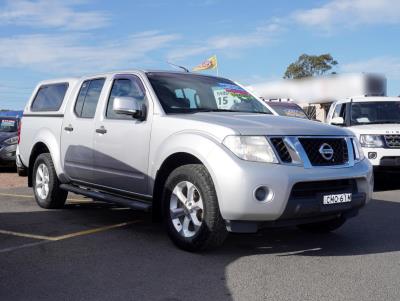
372	155
262	194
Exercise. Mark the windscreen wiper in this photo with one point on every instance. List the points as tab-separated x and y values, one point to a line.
213	110
223	110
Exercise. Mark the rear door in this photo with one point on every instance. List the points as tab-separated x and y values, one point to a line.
122	142
78	131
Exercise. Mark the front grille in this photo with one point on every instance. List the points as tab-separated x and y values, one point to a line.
313	145
312	189
281	149
392	141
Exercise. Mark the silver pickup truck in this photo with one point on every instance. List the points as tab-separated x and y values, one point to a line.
201	152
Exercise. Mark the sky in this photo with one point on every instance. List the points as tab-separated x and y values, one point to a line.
254	40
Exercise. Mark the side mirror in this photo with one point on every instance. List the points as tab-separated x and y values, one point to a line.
337	121
129	106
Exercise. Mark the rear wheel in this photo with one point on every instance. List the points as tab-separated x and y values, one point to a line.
190	209
46	185
323	227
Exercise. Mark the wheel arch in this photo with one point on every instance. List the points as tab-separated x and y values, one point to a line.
172	162
38	148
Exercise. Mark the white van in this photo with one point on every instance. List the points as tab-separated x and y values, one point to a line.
376	123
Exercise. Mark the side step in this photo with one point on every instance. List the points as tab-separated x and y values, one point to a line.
105	197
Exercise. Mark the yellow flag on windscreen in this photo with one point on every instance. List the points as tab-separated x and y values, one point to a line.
210	63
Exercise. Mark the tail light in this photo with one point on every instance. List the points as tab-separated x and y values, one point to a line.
19	131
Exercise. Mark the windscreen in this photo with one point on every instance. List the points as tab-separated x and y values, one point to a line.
288	110
8	125
191	93
375	112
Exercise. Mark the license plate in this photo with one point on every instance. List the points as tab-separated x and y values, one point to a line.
336	198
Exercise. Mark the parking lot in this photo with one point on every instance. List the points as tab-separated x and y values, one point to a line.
97	251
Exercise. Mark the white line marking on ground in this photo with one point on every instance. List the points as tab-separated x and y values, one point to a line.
95	230
27	235
47	239
32	244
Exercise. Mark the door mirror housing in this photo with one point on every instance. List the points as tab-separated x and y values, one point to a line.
129	106
337	121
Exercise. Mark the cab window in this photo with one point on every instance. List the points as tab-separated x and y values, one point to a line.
88	98
125	87
340	111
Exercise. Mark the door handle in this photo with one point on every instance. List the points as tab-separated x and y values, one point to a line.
69	128
101	130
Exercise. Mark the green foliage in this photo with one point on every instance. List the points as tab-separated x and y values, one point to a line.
310	65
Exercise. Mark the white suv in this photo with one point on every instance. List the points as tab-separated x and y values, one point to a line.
375	121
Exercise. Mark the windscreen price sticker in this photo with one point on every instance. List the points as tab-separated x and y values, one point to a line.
224	99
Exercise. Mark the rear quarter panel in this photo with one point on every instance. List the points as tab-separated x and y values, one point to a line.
44	127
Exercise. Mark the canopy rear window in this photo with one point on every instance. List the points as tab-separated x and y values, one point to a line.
49	97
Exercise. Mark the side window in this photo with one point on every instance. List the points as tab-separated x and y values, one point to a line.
125	87
336	112
81	97
49	97
88	98
343	111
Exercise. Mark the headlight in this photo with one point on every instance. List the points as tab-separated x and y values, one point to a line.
371	141
358	152
251	148
12	140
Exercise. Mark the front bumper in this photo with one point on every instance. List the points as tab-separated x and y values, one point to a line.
8	154
235	181
383	157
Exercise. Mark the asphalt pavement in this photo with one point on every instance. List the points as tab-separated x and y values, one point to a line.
95	251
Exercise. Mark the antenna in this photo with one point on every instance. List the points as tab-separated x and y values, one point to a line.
180	67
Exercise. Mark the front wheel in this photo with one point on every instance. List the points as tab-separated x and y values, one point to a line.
190	209
46	184
323	227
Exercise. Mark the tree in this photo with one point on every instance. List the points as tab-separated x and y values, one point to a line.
310	65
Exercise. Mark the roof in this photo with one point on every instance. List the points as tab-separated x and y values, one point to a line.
59	80
9	117
150	71
11	114
73	79
370	99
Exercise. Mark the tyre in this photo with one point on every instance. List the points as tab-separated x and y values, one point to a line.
323	227
190	209
46	185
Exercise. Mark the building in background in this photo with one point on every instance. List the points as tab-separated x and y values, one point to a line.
316	95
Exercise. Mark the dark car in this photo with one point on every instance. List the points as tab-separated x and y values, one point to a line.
8	140
289	109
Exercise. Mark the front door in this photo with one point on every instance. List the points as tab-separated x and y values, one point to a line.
122	142
78	132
